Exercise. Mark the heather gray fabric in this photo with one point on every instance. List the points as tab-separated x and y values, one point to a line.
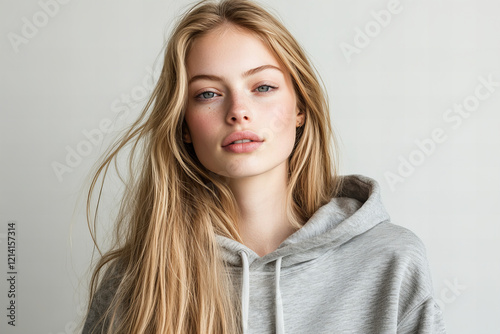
102	299
347	270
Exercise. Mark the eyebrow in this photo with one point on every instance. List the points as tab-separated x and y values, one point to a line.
245	74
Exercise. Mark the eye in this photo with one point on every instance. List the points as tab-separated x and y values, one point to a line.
264	88
206	95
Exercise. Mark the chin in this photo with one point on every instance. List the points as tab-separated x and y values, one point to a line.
237	170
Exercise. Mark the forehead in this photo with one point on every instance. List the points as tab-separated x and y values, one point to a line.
227	49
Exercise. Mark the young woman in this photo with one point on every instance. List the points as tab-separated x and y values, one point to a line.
234	219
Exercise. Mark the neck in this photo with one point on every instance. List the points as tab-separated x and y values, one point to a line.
261	199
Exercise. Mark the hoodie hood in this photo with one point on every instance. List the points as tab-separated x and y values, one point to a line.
357	209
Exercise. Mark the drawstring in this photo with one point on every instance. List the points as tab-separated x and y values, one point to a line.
280	323
245	291
245	295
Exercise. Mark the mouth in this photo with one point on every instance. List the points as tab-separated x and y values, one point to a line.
241	141
242	146
242	138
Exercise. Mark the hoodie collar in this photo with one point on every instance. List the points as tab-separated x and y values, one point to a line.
357	209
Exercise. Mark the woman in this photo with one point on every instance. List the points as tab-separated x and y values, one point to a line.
234	219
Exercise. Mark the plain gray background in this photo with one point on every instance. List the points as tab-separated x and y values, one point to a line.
72	69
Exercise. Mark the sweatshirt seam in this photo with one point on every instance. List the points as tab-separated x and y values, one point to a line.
405	317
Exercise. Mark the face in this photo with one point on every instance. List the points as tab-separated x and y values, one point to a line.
242	111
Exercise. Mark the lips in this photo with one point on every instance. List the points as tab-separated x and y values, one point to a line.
241	135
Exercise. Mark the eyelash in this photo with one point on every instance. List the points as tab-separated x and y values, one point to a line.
199	96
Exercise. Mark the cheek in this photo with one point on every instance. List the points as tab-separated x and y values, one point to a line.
282	120
279	129
201	127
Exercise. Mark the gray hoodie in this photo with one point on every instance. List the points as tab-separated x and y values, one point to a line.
347	270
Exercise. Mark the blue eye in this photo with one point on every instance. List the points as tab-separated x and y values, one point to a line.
206	95
264	88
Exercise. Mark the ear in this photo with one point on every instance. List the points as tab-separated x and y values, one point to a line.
300	118
186	136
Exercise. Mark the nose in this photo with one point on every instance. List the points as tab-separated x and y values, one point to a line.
238	110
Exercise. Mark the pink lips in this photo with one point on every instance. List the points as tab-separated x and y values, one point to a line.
228	142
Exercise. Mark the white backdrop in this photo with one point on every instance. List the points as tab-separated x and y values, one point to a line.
415	94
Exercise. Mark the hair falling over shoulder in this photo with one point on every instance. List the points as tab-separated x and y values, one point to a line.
171	277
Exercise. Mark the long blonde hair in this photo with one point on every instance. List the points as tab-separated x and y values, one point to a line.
171	278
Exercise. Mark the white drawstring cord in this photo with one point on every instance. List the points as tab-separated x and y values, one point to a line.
245	291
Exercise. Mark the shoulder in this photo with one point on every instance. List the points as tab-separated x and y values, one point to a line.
418	311
397	258
111	279
402	260
395	240
404	252
102	298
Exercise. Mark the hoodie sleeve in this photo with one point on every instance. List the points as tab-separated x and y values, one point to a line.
425	318
419	312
